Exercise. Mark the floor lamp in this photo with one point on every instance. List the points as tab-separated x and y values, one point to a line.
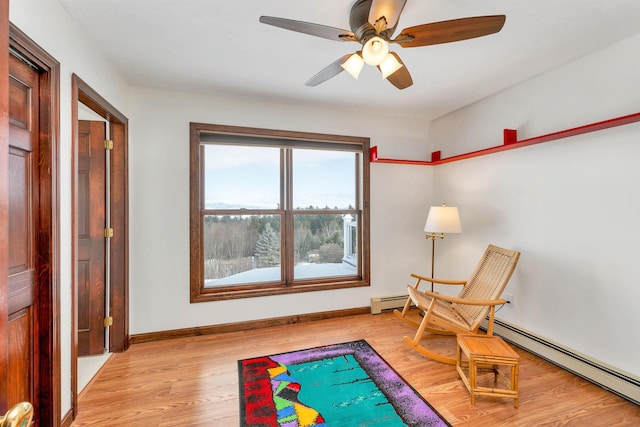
440	220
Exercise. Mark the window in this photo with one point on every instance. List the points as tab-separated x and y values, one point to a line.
275	212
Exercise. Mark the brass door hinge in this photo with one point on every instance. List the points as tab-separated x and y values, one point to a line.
108	321
108	233
108	144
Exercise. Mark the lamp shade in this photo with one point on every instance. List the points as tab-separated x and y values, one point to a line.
443	219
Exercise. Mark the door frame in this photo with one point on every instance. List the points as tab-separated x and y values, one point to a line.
119	211
47	301
4	199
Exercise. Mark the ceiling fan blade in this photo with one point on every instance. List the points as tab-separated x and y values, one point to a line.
451	31
401	78
317	30
390	9
328	72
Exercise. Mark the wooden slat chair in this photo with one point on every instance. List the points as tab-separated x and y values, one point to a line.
447	315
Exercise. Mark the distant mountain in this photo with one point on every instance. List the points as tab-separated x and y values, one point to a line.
232	206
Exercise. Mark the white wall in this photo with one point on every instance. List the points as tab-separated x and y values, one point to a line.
159	206
570	206
575	283
48	24
159	216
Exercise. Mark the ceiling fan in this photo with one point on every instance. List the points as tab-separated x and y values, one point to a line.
373	23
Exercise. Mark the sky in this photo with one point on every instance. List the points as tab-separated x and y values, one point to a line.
248	177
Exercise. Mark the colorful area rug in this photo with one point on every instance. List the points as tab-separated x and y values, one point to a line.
340	385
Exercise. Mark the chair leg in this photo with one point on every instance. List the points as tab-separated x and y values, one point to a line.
406	307
415	344
420	331
403	315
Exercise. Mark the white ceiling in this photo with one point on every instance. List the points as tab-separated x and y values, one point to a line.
219	47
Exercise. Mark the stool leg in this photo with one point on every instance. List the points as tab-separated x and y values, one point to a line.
472	379
514	384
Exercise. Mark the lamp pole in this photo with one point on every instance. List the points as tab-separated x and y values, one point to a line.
433	237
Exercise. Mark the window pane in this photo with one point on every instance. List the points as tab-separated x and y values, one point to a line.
324	179
241	249
276	212
241	177
320	247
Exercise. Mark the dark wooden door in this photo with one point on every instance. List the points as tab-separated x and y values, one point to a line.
91	238
22	235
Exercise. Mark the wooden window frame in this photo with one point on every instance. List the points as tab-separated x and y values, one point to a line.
198	292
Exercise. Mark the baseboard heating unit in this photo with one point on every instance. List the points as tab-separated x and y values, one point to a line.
379	304
608	377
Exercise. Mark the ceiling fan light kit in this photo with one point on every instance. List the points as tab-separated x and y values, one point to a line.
389	66
375	51
353	65
373	23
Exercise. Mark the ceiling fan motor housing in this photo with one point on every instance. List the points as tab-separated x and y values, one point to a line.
359	20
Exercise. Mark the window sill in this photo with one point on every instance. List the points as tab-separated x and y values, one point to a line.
207	295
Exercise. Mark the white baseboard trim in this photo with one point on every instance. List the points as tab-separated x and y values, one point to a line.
608	377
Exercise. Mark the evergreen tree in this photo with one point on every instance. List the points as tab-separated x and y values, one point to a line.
268	248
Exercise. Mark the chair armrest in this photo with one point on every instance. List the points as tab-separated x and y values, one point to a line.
463	300
439	281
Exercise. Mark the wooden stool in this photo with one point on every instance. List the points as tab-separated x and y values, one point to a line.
487	352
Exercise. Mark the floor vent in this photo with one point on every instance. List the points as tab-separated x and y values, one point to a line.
379	304
608	377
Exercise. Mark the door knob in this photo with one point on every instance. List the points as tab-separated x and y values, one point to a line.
20	415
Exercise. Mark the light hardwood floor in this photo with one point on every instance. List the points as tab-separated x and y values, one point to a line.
194	381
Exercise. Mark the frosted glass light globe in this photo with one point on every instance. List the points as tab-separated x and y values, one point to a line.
375	50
